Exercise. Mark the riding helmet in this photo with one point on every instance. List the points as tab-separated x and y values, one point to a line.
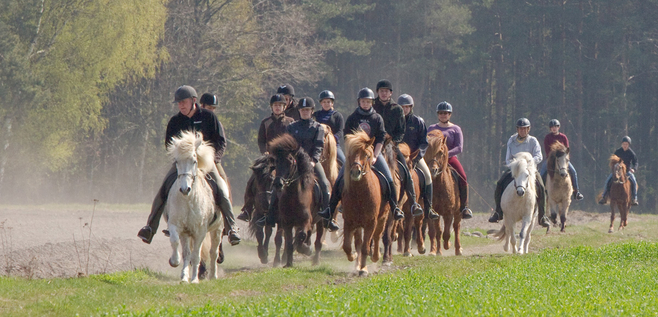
365	93
553	123
626	139
384	83
326	94
277	98
444	106
208	99
184	92
405	100
523	123
286	89
306	103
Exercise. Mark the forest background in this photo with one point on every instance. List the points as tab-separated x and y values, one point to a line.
86	86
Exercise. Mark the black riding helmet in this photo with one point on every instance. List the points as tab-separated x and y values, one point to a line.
277	98
384	83
405	100
523	123
553	123
306	103
626	139
444	106
365	93
286	89
326	94
208	99
184	92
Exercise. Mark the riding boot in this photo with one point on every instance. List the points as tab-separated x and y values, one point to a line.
606	190
270	217
416	210
225	207
502	183
249	200
427	200
393	201
157	208
327	213
463	199
541	202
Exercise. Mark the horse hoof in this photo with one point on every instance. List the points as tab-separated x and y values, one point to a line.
421	251
172	264
363	273
432	253
446	245
408	254
458	251
611	230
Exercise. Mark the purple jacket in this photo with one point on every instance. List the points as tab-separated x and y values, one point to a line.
454	138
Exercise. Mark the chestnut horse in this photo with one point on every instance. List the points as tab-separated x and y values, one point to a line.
365	212
620	192
263	169
297	204
446	195
411	224
558	183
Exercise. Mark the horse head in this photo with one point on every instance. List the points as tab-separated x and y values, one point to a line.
359	152
558	160
437	152
291	162
523	170
618	170
192	155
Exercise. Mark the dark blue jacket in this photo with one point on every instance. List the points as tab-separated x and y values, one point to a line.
309	134
334	120
370	122
415	134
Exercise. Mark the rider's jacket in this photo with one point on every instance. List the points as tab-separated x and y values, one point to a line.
415	134
291	110
368	121
393	116
629	158
334	120
203	121
309	134
529	144
270	128
551	138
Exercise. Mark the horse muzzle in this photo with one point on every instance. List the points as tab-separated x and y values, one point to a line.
185	190
563	173
355	175
278	182
520	191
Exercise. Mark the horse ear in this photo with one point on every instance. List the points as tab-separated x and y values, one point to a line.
371	141
568	150
414	154
198	141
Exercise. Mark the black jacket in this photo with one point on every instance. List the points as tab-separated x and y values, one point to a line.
393	116
629	158
309	134
203	121
270	128
370	122
415	134
334	120
292	110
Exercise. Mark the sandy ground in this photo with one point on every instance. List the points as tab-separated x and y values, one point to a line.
40	242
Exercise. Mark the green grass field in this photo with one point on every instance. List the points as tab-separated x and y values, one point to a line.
583	272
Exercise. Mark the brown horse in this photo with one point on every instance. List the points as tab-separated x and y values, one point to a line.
263	170
364	211
297	204
558	183
620	192
330	164
410	223
446	195
390	156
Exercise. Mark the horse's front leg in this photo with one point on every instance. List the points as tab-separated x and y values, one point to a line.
434	231
612	217
215	240
420	235
408	230
446	230
278	240
365	249
457	226
289	245
523	234
174	260
348	234
564	208
185	272
195	255
319	237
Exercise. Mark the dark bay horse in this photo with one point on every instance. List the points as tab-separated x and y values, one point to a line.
365	212
297	204
263	169
410	224
446	195
620	193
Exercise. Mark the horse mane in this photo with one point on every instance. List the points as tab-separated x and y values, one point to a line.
262	167
406	152
285	144
557	150
357	142
434	141
521	161
184	146
614	160
389	154
330	153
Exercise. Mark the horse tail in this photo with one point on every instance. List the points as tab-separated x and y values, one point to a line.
330	154
501	234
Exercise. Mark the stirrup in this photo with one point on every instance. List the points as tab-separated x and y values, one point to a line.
262	221
495	218
416	210
543	221
233	237
146	234
432	214
244	216
331	225
325	213
398	214
603	200
467	213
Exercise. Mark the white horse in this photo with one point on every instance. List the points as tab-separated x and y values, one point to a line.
191	209
558	183
519	202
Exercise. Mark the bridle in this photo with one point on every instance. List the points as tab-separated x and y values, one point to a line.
295	175
190	174
438	169
362	169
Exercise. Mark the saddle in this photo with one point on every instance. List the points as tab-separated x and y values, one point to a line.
215	194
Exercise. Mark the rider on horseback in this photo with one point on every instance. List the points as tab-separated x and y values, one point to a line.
289	93
454	141
549	139
270	128
521	142
366	119
309	134
333	119
415	136
394	124
192	117
630	159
